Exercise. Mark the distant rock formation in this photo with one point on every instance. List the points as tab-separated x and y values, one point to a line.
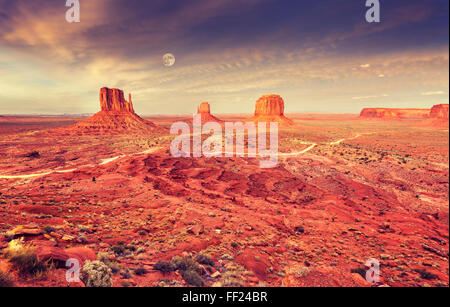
113	100
116	117
205	111
440	111
438	117
387	113
270	108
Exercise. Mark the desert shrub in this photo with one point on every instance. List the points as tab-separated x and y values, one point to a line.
424	274
24	259
184	264
16	248
164	266
118	249
125	273
29	264
140	271
193	278
33	154
96	274
131	248
5	280
115	268
204	259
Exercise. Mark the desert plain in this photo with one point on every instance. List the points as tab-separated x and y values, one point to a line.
346	189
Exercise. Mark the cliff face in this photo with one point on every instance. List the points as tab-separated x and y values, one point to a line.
269	105
387	113
440	111
114	100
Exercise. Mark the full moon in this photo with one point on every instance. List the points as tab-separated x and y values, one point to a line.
168	59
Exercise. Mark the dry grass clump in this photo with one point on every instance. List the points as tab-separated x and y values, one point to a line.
24	259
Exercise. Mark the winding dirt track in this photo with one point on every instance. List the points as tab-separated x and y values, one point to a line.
109	160
103	162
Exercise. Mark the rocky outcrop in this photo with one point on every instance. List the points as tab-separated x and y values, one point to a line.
270	108
114	100
440	111
205	111
116	117
387	113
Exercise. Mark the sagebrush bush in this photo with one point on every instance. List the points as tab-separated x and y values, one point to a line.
164	266
184	264
96	274
204	259
140	271
193	278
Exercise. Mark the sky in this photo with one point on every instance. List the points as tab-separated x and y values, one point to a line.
321	56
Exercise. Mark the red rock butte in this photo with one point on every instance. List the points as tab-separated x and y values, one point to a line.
205	111
114	100
438	117
270	108
116	117
440	111
387	113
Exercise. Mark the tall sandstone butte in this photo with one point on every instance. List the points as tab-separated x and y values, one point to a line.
205	111
270	108
269	105
117	116
113	99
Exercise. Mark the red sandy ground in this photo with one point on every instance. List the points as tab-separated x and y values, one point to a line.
311	221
